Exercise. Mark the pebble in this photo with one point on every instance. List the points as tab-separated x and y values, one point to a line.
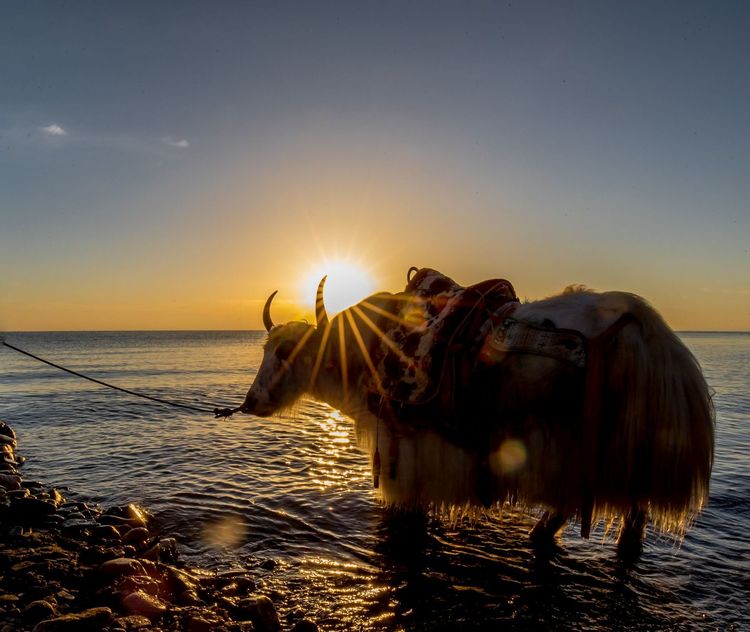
143	583
6	430
261	611
105	532
136	534
132	622
136	515
38	610
10	481
91	620
122	566
30	510
305	625
143	604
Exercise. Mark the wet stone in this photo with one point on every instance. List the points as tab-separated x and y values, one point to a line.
132	622
92	620
261	611
38	610
143	604
305	625
31	510
204	622
9	481
75	525
134	583
121	566
56	497
33	485
135	535
6	430
136	515
55	519
105	532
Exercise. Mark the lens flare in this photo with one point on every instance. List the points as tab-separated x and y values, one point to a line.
510	457
347	284
226	532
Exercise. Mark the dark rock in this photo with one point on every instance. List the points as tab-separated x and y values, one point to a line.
98	554
204	622
10	481
114	520
268	564
132	622
143	604
133	583
152	553
76	525
38	610
6	430
135	535
305	625
179	581
188	598
92	620
31	510
121	566
33	485
105	532
65	595
261	611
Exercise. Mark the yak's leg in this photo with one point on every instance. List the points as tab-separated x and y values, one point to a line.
545	530
630	539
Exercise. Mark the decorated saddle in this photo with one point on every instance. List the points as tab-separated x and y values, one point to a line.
434	332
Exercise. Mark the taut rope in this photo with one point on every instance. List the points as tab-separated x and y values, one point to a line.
216	410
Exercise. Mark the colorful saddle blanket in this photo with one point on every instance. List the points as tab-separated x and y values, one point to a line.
433	332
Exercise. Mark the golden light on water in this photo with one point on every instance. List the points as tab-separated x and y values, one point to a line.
226	532
348	283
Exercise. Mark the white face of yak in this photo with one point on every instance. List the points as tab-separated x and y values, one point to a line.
286	369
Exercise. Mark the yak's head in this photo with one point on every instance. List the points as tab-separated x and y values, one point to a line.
289	358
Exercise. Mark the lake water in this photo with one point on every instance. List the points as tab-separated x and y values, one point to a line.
296	489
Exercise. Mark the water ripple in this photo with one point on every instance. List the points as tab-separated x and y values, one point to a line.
297	490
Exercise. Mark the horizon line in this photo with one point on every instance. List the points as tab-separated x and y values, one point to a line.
190	330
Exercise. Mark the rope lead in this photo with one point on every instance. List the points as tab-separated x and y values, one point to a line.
216	410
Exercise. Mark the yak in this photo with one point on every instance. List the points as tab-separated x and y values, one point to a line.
584	406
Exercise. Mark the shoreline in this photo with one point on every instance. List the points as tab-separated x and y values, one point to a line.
73	565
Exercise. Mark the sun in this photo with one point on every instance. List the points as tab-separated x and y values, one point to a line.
348	283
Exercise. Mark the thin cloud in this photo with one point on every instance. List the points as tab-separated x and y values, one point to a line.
174	142
54	130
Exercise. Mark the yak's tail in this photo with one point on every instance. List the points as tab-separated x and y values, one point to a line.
657	432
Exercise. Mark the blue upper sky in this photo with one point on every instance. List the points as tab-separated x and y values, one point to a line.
152	153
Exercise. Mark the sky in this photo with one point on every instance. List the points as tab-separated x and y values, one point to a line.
168	165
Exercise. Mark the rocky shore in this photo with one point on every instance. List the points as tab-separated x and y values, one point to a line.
68	565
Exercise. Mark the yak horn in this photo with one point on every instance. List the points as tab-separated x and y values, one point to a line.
267	313
320	309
